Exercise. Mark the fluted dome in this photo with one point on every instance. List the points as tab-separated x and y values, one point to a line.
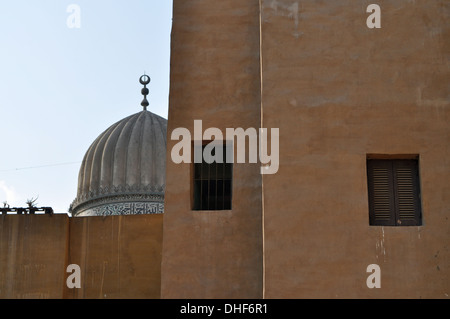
123	171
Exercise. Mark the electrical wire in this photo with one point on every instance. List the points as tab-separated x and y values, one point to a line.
39	166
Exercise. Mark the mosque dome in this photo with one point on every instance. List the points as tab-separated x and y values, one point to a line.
123	171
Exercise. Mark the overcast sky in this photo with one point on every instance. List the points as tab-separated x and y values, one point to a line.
62	85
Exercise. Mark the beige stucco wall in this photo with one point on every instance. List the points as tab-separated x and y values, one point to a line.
339	91
119	256
33	256
214	78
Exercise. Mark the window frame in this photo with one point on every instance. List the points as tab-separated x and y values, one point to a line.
226	199
402	183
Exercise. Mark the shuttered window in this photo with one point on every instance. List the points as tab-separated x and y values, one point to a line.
213	183
394	192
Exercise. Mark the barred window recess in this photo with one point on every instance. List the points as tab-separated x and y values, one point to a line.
394	192
213	183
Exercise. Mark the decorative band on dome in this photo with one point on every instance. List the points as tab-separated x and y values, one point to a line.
133	201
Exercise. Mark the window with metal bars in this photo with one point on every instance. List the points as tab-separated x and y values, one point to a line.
394	192
213	182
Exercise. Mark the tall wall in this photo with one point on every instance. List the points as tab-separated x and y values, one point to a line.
33	256
339	91
214	78
118	256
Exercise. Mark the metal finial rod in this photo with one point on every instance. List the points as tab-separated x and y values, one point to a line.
144	80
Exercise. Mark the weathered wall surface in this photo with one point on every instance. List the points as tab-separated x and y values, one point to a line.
339	91
214	78
33	256
119	256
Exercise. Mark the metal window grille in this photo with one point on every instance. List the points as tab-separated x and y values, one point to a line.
213	182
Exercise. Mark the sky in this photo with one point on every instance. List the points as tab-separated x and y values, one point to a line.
67	73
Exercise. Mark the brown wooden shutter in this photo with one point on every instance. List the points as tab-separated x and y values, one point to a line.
381	187
407	195
394	192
